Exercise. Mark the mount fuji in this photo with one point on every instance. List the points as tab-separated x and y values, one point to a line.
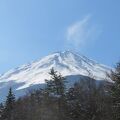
70	64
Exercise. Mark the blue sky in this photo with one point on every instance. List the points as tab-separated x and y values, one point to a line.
31	29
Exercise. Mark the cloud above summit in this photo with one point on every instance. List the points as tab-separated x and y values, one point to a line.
81	33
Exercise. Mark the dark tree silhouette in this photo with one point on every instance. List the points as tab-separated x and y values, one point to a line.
9	106
115	92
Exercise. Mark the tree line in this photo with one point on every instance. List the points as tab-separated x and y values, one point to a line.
85	100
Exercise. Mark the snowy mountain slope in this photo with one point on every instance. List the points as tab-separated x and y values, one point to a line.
67	63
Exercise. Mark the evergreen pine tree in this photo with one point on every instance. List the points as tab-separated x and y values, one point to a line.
56	88
9	106
56	85
115	92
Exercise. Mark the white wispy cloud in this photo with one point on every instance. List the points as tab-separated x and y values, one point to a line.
81	33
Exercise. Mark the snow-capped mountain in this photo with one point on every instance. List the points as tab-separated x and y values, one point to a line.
67	63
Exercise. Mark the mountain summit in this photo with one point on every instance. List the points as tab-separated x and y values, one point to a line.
67	63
